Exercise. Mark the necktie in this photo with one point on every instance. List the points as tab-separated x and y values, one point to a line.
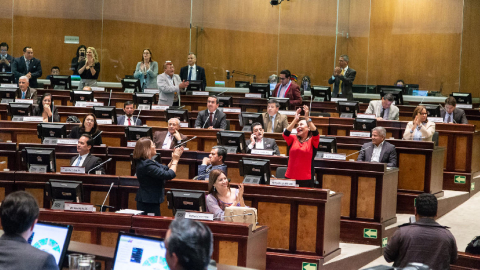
129	123
23	94
190	74
211	119
382	113
340	84
78	161
448	119
272	123
27	63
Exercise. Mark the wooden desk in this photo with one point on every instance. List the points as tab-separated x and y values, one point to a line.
466	261
343	126
8	154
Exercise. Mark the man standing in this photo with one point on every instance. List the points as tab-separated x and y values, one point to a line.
19	213
384	109
24	91
257	141
5	58
451	114
288	89
128	119
424	241
343	78
379	150
192	72
169	85
272	120
84	158
215	161
211	117
170	138
27	66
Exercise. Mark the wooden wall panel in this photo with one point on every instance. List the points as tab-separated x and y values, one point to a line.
6	23
469	79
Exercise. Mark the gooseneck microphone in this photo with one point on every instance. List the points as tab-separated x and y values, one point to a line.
101	131
359	151
99	165
110	97
101	207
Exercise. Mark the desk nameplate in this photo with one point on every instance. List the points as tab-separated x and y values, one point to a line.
335	156
72	169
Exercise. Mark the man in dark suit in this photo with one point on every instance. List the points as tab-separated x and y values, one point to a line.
170	138
27	66
272	120
215	161
451	114
5	58
257	141
128	119
19	214
211	117
84	158
288	89
24	91
192	72
379	150
343	77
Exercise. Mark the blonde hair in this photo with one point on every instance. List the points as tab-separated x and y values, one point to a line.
95	54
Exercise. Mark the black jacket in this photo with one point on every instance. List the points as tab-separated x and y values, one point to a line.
89	163
152	176
219	120
200	74
19	68
75	133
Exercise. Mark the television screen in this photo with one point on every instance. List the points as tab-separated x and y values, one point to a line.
52	238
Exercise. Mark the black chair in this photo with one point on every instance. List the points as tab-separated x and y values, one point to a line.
435	138
228	124
280	172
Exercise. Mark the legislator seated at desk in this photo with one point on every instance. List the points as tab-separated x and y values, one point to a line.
379	150
288	89
257	141
46	109
84	158
211	117
216	160
128	119
452	114
221	195
170	138
272	120
24	90
420	129
384	109
89	126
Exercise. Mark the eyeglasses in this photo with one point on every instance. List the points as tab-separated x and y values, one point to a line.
90	120
424	113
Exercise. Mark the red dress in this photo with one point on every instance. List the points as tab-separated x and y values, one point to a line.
301	156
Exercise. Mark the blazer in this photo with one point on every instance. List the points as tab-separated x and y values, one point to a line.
159	137
204	170
121	120
427	131
19	69
293	94
152	73
152	176
90	162
281	122
268	144
167	89
387	155
56	117
347	82
219	120
8	68
458	116
17	253
75	133
375	107
31	94
200	74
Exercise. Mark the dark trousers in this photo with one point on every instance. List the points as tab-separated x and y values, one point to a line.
305	183
149	208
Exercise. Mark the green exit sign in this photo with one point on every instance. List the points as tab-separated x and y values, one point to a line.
370	233
460	179
309	266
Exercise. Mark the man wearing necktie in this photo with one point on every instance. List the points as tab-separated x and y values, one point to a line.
192	72
128	119
5	58
27	66
451	114
84	158
288	89
342	79
384	108
169	85
170	138
211	117
273	121
24	91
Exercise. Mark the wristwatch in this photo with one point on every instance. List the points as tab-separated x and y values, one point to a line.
309	120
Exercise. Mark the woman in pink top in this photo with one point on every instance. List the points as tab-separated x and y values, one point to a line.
221	195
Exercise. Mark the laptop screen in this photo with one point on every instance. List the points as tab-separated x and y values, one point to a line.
422	93
137	252
52	238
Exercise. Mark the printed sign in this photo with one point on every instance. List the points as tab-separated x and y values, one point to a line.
370	233
460	179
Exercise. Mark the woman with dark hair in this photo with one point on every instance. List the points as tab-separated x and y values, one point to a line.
420	129
303	147
88	126
152	175
81	50
147	71
221	195
46	109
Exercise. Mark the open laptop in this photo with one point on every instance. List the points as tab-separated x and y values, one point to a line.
137	251
52	238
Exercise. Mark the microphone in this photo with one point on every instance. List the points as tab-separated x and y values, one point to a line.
207	172
53	109
180	144
453	120
311	98
359	151
228	75
110	97
205	122
138	115
421	102
111	185
99	165
101	131
222	93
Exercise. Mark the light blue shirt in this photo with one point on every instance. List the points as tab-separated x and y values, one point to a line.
417	135
446	117
385	113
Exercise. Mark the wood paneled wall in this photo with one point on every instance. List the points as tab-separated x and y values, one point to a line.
470	67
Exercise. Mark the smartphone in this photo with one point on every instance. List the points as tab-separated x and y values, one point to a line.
82	54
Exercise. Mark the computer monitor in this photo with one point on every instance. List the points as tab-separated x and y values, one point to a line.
433	110
133	133
106	112
195	85
7	94
61	82
64	191
131	85
52	238
409	88
348	109
242	84
51	130
181	114
7	78
364	89
144	100
397	95
321	93
19	109
225	101
80	95
232	138
365	124
39	159
390	87
260	88
328	144
249	118
283	102
255	171
462	98
139	252
182	199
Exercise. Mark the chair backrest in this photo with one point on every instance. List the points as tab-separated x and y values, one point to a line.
228	124
280	172
435	138
324	114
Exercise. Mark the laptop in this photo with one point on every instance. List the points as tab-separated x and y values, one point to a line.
138	251
421	93
52	238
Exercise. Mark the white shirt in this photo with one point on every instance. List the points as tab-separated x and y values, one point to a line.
132	123
446	117
376	152
194	72
208	116
81	161
258	145
168	141
283	89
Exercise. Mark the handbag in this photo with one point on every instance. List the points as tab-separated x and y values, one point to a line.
241	215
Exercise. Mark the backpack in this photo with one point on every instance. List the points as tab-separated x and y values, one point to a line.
474	246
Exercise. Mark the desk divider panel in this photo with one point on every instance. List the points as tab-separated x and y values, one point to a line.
410	177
